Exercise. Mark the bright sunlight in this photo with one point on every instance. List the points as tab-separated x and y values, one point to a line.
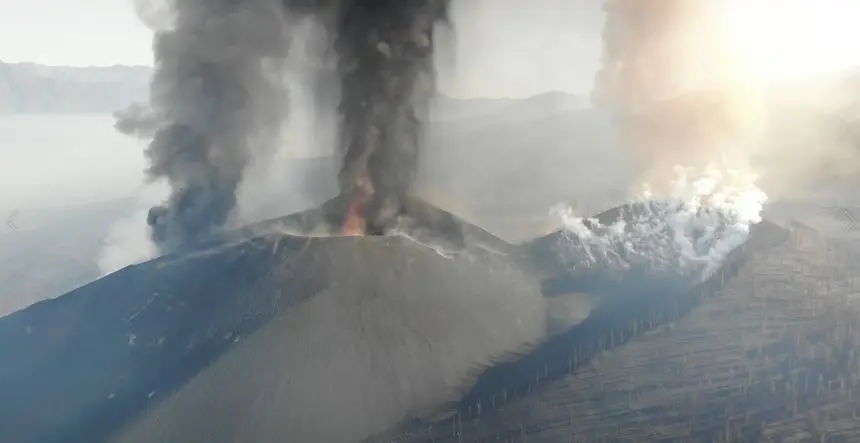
788	39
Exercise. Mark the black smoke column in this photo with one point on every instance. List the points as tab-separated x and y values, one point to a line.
218	96
385	63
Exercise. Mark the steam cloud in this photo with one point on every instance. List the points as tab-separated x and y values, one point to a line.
691	116
682	93
218	98
677	89
705	217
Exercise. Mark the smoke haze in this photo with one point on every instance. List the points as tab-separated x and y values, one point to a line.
812	139
218	99
682	92
503	49
677	89
293	171
128	241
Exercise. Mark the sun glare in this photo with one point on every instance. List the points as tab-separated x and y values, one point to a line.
784	40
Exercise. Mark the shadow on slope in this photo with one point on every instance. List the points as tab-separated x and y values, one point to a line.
267	336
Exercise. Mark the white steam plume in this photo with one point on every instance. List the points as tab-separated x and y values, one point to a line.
689	112
706	216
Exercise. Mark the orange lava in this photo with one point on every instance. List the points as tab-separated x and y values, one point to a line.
355	225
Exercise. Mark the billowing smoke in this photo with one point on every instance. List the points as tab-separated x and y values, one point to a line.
385	62
681	82
217	99
690	114
137	120
677	88
298	173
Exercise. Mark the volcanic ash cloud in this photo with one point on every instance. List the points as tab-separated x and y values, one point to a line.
217	99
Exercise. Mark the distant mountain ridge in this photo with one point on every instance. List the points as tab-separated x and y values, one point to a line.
29	88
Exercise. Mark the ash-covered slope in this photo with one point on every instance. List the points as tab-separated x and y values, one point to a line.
500	405
270	337
772	357
86	364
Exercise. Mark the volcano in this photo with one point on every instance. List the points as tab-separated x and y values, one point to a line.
284	332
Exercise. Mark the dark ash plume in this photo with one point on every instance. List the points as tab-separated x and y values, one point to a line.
217	97
387	77
137	120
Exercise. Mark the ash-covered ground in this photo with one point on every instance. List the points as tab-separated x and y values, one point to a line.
772	357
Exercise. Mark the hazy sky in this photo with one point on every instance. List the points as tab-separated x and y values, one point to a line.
502	47
49	160
519	48
77	33
506	49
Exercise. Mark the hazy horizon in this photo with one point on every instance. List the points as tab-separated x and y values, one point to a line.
499	50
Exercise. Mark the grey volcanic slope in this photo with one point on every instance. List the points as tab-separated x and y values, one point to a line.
82	366
53	253
307	339
773	358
